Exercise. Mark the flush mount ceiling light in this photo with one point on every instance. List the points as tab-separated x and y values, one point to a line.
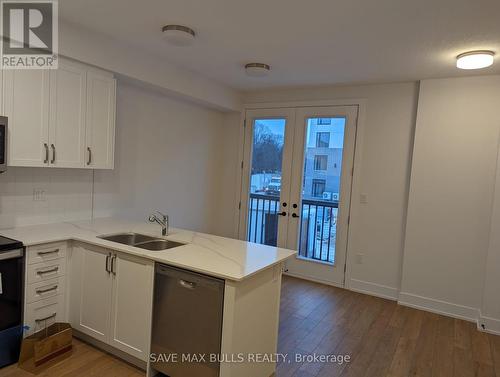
257	69
475	59
178	35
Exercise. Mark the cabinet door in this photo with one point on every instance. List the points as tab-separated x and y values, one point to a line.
100	130
132	305
90	291
26	103
67	115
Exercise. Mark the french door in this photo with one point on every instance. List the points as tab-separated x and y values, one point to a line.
296	185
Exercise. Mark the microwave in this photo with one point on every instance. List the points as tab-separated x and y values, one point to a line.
3	144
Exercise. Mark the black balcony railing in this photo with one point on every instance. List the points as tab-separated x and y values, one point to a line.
318	225
318	230
263	219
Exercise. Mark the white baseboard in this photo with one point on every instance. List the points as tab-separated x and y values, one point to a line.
373	289
303	277
440	307
488	324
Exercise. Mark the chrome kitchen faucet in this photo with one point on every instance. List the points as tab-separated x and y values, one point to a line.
161	219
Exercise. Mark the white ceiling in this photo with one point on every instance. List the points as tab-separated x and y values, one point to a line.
306	42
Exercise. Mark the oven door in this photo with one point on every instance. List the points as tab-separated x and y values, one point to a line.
11	305
3	144
11	288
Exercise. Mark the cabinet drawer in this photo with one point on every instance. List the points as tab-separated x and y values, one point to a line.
44	313
46	252
45	289
45	270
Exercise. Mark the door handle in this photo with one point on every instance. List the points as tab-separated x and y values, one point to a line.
53	154
282	213
89	161
295	215
46	146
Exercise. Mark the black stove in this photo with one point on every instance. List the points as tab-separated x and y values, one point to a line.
9	244
11	299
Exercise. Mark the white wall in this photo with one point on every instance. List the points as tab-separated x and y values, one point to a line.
68	196
377	228
451	194
171	156
490	310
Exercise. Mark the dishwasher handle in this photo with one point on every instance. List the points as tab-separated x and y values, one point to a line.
187	284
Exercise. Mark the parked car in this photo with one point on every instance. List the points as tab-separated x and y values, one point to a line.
274	186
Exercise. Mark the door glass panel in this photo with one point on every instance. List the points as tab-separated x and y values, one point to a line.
324	143
265	180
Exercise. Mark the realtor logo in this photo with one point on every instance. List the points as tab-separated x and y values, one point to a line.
29	34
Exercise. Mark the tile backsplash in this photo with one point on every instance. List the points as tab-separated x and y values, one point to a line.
31	196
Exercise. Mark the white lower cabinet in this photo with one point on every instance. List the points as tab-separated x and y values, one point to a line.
45	286
90	291
111	296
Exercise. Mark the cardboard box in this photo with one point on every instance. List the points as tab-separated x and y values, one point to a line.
46	346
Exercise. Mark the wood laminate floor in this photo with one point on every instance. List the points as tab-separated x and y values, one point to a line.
381	338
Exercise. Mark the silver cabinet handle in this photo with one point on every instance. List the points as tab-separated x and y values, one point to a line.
187	284
40	291
46	318
48	252
53	154
55	269
107	263
113	265
46	146
89	161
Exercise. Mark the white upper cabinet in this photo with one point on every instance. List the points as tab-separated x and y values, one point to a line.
101	98
60	118
67	115
26	103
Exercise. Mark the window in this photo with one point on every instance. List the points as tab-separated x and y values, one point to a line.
323	139
318	188
320	162
325	121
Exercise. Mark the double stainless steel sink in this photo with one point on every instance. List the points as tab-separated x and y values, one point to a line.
142	241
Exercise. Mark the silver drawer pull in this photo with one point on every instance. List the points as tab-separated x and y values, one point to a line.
187	284
40	291
48	252
46	318
55	269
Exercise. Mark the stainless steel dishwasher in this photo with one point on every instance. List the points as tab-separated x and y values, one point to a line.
187	322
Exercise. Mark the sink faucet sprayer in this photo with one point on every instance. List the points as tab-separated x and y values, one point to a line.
161	219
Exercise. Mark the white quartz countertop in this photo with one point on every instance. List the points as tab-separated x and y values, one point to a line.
221	257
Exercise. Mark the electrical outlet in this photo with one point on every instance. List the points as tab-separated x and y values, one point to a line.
359	258
38	195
